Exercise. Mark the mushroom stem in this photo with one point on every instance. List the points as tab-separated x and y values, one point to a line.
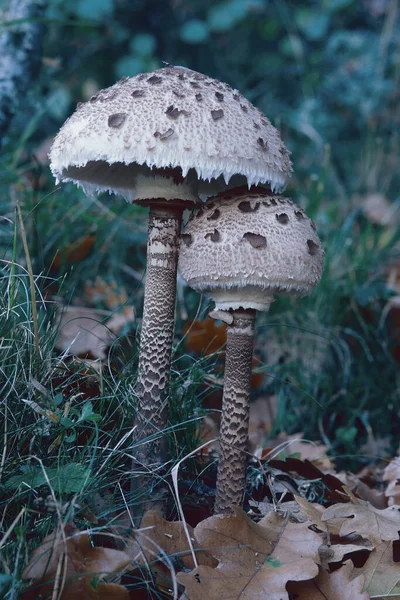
157	332
235	411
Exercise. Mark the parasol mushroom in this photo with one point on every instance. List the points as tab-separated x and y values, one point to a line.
163	139
241	250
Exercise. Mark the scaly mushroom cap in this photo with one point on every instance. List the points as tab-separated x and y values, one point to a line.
170	118
242	249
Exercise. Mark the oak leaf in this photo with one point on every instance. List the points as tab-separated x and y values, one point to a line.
164	547
361	517
381	573
391	474
313	511
338	547
256	561
68	561
338	585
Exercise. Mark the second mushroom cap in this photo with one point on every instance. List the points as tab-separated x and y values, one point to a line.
258	242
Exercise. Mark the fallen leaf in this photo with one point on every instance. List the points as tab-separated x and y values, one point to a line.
313	451
205	337
391	474
379	210
107	293
255	560
120	319
381	573
292	539
339	585
262	415
208	337
362	490
361	517
307	475
67	560
313	511
289	509
334	549
74	252
82	331
164	547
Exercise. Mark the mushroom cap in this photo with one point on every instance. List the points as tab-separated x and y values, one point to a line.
242	249
170	118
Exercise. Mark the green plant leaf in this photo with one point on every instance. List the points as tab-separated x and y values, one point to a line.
94	9
66	422
87	413
143	44
194	32
225	15
313	24
63	479
5	584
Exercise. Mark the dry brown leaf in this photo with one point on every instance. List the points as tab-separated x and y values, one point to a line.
119	319
381	573
255	561
379	210
313	451
313	511
339	585
75	252
72	556
332	552
82	331
391	474
288	509
361	517
291	538
86	330
163	545
84	589
262	415
362	490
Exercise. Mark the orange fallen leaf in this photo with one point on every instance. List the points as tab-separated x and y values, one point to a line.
209	337
74	252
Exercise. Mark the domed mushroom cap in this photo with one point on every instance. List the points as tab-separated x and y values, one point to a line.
241	250
172	117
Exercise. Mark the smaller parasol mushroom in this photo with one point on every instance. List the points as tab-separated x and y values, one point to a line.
241	250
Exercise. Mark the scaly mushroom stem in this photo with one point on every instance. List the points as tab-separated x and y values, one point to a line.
235	411
156	336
